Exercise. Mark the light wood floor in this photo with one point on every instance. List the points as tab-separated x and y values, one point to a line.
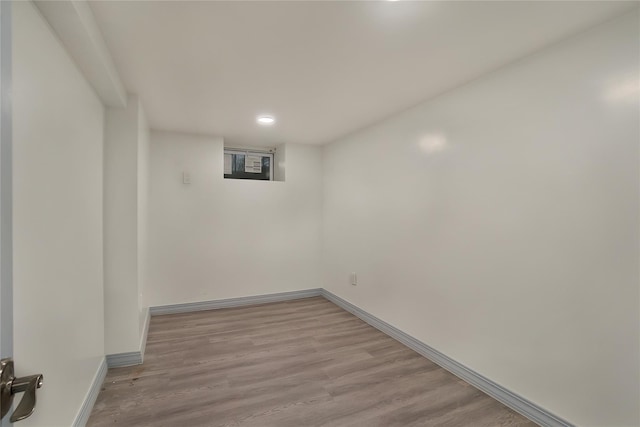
298	363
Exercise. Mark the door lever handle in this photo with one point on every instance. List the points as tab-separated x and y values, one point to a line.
10	386
27	404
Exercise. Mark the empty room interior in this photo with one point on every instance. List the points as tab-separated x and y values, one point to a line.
320	213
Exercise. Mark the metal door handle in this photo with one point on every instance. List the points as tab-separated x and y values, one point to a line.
10	386
28	385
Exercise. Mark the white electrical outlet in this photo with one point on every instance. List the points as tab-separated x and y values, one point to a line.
186	178
354	279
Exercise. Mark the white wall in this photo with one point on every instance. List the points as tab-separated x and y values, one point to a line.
125	207
58	284
121	228
143	216
498	223
221	238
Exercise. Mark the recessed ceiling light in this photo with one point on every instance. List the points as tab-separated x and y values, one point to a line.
265	120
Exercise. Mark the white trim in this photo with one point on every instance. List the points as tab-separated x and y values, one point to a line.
518	403
92	394
241	150
233	302
118	360
6	187
145	332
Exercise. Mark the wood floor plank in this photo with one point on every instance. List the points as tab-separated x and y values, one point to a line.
296	363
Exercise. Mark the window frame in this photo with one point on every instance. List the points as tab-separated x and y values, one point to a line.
248	152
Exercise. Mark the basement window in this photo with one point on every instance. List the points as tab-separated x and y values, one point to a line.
248	164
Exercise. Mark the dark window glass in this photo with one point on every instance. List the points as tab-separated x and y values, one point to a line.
259	169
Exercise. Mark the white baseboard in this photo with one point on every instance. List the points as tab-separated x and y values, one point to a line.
145	332
92	395
518	403
119	360
233	302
